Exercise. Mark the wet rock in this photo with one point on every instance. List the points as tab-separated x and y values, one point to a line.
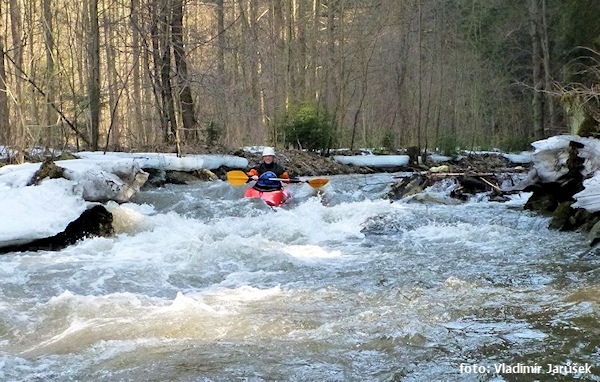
49	170
594	234
560	216
543	199
469	186
585	220
156	177
206	175
496	196
413	155
185	177
180	177
95	221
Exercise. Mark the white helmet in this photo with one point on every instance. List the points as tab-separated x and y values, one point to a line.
268	151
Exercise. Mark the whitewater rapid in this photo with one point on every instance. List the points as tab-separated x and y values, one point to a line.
201	284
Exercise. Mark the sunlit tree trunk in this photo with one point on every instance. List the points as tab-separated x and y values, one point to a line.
113	78
16	28
315	34
4	120
16	32
220	101
136	94
94	73
50	84
185	94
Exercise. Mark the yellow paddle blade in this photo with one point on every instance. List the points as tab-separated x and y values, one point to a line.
237	178
318	182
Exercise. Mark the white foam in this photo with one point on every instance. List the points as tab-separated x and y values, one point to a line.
310	252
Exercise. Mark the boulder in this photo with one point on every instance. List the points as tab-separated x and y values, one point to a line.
95	221
156	177
180	177
49	170
594	234
561	216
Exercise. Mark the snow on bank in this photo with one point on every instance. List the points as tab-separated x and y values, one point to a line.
117	176
550	163
589	198
373	160
522	157
169	161
551	154
402	160
35	212
99	181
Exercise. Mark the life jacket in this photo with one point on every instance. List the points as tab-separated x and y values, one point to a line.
265	183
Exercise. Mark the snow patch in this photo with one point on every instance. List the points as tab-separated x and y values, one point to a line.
168	161
589	197
36	212
373	160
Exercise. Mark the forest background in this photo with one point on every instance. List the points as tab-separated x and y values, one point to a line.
171	75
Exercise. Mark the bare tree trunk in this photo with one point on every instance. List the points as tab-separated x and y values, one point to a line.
363	94
420	74
113	79
94	73
330	68
34	108
157	85
440	24
16	31
255	112
292	60
136	72
50	88
4	120
185	94
314	50
221	108
549	101
162	63
278	56
537	101
302	60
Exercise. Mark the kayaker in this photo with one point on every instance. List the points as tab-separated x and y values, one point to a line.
268	168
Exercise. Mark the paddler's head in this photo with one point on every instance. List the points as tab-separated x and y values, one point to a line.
268	155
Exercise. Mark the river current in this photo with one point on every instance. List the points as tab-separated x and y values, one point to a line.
200	284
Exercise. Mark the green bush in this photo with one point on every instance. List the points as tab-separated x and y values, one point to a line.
306	125
389	139
514	143
213	132
447	144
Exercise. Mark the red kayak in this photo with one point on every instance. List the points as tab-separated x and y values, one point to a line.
272	198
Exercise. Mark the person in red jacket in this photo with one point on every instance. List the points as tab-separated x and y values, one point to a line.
266	169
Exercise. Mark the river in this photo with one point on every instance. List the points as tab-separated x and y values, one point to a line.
200	284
